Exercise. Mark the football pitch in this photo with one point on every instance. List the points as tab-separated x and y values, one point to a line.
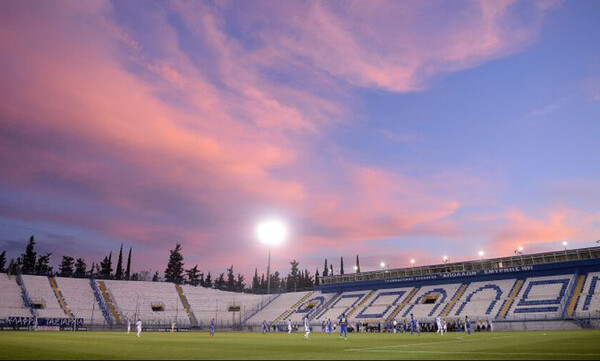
578	345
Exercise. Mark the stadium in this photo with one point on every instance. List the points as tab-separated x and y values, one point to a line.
299	179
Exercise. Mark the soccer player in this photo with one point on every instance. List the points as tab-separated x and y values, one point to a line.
344	327
139	328
128	327
306	328
440	328
329	326
265	328
414	325
468	325
290	327
212	328
395	326
324	327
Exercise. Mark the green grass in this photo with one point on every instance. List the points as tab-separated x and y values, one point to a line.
582	345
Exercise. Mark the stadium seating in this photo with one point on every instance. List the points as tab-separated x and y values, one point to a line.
152	302
280	306
11	298
382	305
483	300
40	291
344	304
589	301
542	297
208	304
431	301
80	299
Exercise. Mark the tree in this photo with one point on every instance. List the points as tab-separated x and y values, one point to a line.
119	272
106	269
14	267
275	281
331	270
255	281
317	280
293	278
357	264
128	272
193	276
240	283
220	282
29	258
2	261
43	265
66	267
342	267
326	270
263	283
80	268
174	271
202	282
208	282
156	277
230	279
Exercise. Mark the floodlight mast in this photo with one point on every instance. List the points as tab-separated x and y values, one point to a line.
271	233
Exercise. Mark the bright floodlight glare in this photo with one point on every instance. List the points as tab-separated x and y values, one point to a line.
382	265
481	253
272	232
520	249
412	261
445	258
565	243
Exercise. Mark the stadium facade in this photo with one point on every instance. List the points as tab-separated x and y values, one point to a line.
556	290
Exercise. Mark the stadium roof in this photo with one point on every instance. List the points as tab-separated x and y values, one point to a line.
479	265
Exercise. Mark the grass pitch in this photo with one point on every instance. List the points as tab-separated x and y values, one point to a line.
580	345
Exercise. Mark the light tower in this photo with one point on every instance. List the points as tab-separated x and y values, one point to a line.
271	233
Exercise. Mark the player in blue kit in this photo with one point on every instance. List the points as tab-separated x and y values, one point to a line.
265	328
468	325
329	326
212	328
414	325
344	327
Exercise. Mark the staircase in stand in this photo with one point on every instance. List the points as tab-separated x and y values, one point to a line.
403	304
513	295
323	309
461	291
109	302
361	305
100	302
59	297
186	305
576	295
293	309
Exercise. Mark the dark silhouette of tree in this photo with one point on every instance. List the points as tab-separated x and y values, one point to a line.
255	282
106	269
208	282
342	267
119	271
66	267
230	279
156	277
357	264
317	278
331	270
43	265
193	276
80	268
220	282
2	261
29	258
174	271
326	270
128	272
240	283
293	278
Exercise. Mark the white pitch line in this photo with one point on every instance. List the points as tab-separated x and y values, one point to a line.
428	343
493	353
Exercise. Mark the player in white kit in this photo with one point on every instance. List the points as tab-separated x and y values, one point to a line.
289	327
128	327
440	327
139	328
306	328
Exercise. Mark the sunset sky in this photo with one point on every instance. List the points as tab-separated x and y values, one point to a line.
389	129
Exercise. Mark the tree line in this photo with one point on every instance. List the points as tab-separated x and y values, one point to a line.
30	263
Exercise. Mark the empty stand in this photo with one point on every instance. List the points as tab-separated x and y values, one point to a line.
11	298
41	294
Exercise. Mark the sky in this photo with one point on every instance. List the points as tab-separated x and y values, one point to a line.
395	130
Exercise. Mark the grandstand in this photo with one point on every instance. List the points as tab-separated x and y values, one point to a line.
554	287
